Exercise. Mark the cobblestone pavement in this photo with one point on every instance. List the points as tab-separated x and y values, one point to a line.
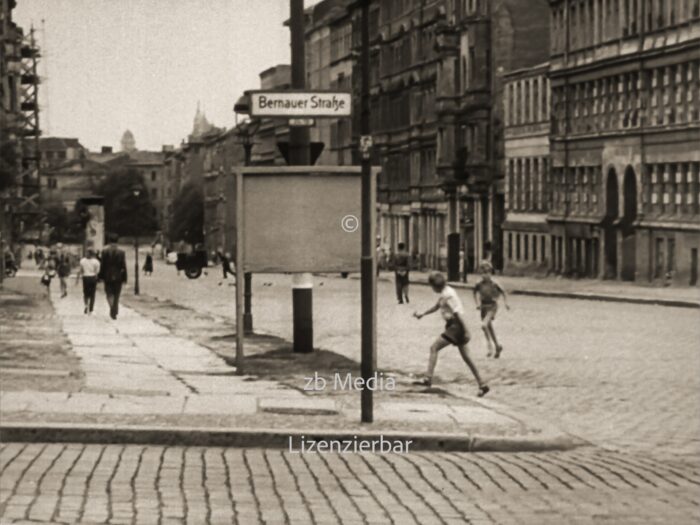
624	376
52	483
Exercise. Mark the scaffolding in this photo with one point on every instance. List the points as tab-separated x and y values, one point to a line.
28	211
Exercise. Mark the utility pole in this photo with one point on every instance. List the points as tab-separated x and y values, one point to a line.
299	155
248	276
368	263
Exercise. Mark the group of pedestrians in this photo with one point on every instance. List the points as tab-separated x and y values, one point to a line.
109	267
56	265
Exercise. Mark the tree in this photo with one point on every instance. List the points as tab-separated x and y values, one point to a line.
65	225
187	222
126	214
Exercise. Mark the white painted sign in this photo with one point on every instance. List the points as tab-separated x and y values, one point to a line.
300	104
302	122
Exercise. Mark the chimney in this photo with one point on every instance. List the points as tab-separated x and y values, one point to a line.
106	149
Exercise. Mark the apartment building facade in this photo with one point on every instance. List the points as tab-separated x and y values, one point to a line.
625	79
437	85
526	101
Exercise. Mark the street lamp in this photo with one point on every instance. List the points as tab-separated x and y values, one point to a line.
245	131
136	190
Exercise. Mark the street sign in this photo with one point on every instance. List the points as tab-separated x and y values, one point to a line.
302	122
366	146
315	150
303	104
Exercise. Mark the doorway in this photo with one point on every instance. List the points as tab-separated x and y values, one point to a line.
629	251
612	212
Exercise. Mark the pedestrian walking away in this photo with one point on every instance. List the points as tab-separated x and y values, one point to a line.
402	266
10	262
148	265
89	270
113	274
456	332
62	268
381	255
486	294
39	258
225	266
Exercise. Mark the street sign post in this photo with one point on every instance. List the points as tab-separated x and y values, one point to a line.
301	104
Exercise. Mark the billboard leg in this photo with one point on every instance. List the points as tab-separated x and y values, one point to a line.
302	306
247	301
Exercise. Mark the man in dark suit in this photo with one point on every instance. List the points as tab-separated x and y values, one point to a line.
113	274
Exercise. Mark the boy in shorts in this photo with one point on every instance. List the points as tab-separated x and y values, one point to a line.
486	294
455	333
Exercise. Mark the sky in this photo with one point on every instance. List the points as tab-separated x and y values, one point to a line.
143	65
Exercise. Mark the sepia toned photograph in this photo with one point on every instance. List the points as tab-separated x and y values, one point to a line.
349	261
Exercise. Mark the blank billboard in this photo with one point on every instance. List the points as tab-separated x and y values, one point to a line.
300	221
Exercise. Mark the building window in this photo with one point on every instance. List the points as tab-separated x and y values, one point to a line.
534	247
153	175
671	255
542	248
472	65
154	193
510	246
526	106
659	258
517	247
526	247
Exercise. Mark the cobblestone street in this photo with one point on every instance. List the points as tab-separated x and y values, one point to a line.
623	376
148	484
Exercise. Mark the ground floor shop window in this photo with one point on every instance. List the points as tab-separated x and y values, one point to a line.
542	248
526	248
671	255
510	246
659	258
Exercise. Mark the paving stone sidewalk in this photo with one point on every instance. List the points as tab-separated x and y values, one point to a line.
137	372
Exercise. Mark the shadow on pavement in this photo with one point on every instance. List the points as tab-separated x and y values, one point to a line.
35	353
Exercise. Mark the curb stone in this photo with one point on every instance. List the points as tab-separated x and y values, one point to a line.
272	438
589	296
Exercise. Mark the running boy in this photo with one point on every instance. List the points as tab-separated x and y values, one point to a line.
455	333
486	294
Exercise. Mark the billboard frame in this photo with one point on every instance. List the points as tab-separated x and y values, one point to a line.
240	172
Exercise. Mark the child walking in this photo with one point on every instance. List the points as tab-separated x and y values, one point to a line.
47	277
486	294
456	332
